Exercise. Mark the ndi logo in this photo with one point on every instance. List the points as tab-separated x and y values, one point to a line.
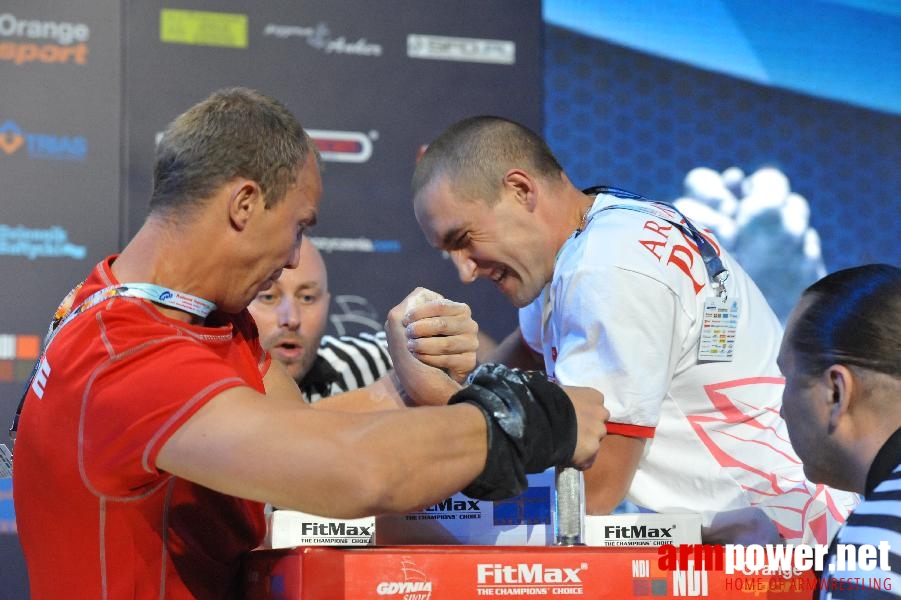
165	295
44	146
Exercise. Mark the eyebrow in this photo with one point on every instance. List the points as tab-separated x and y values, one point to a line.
451	238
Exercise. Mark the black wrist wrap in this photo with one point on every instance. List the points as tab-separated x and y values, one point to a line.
531	427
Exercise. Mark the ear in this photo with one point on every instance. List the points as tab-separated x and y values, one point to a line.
522	186
244	198
841	383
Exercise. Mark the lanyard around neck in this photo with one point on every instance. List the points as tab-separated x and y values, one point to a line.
145	291
716	271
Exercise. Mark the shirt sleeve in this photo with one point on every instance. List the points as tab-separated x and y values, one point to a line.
138	401
530	324
618	335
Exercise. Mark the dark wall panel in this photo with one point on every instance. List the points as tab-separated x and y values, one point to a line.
346	70
85	87
60	104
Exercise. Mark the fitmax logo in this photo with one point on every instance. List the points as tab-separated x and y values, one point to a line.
334	529
638	532
455	505
524	573
41	145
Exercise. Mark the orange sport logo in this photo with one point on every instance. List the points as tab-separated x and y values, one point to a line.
24	41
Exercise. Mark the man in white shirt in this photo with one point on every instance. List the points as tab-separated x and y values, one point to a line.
624	296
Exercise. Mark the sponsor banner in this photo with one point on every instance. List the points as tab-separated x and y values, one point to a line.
436	47
469	572
33	243
526	519
203	28
343	146
7	511
28	41
333	146
17	355
321	37
44	146
642	529
289	528
358	244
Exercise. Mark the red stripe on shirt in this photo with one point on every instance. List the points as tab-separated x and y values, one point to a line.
639	431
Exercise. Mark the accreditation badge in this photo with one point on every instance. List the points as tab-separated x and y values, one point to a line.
718	329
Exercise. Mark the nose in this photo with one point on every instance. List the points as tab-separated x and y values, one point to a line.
288	313
466	267
294	259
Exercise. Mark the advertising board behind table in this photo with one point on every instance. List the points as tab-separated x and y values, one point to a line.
470	572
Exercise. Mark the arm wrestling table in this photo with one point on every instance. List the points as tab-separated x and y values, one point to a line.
470	572
461	572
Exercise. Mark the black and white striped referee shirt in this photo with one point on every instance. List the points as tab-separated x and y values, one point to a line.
877	519
346	363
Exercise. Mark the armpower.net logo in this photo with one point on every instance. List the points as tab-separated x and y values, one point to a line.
29	41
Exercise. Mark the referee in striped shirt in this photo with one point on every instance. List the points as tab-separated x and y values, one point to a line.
841	357
292	316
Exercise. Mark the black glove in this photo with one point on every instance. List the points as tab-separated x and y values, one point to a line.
531	426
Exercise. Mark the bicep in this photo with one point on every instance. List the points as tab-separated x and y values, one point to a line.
250	445
277	450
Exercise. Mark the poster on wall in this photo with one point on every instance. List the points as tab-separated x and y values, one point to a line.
371	86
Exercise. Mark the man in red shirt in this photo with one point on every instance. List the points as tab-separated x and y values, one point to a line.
155	425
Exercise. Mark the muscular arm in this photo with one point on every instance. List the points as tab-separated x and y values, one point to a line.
382	394
608	480
274	449
278	450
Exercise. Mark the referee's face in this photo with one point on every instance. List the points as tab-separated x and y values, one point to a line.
291	315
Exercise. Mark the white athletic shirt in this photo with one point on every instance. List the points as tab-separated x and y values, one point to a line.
623	314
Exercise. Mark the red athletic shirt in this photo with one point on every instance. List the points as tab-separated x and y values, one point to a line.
95	517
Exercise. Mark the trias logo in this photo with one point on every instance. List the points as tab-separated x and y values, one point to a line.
41	145
526	573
